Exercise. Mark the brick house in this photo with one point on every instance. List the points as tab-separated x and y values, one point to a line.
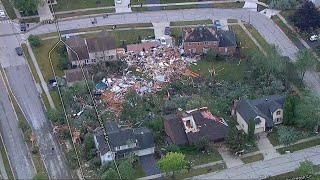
198	40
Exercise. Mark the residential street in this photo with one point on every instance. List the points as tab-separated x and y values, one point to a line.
24	89
12	137
264	169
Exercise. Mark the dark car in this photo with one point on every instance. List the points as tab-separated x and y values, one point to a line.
217	24
19	51
167	31
23	26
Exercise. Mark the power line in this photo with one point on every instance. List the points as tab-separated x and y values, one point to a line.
87	85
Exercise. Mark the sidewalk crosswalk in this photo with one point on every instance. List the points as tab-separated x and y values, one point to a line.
5	21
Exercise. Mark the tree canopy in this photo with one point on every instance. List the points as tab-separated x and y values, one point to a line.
287	135
305	61
172	162
34	40
27	6
306	18
282	4
289	110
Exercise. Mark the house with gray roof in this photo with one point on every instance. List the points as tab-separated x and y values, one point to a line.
77	50
122	142
266	112
199	40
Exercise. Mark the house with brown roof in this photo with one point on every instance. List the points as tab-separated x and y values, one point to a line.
102	47
199	40
77	46
191	127
75	75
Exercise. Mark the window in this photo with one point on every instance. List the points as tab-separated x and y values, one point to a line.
198	44
225	49
257	123
278	112
277	119
87	61
93	60
205	43
215	43
189	44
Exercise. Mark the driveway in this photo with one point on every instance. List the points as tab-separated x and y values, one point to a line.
266	148
149	165
229	158
122	7
159	31
263	169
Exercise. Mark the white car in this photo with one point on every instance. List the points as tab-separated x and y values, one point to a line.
314	38
163	41
2	14
118	1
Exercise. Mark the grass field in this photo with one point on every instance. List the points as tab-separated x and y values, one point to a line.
251	159
82	13
232	20
228	5
183	23
257	36
200	171
299	146
198	158
247	47
291	35
30	63
9	9
65	5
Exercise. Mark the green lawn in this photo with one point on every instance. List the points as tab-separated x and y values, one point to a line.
200	171
138	171
64	5
247	47
30	63
41	53
175	7
232	20
56	99
299	146
228	5
257	36
183	23
198	158
82	13
9	9
5	160
251	159
176	34
273	137
227	71
45	100
291	35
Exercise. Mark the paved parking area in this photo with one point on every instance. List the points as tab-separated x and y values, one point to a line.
122	7
159	31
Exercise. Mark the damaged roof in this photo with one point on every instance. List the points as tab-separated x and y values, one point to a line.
227	38
199	34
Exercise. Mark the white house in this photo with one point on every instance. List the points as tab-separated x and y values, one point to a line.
138	141
265	112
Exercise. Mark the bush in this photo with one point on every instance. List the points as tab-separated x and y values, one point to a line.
72	160
34	41
40	176
173	148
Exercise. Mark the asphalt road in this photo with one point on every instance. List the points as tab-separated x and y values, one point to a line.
12	136
24	89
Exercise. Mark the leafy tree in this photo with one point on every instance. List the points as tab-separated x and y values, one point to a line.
308	110
40	176
172	162
283	4
27	6
110	174
173	148
305	61
56	116
34	41
306	168
64	63
196	102
203	144
234	139
126	169
72	160
289	110
251	129
307	17
79	89
287	135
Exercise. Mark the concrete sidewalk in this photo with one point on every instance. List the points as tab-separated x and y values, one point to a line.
263	169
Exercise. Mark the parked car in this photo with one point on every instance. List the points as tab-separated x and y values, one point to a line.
167	31
314	38
163	41
2	14
217	24
118	1
23	26
19	51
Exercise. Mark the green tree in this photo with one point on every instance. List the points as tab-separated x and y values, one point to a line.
126	169
306	168
289	111
64	63
72	160
173	148
27	6
287	135
110	174
196	102
172	163
34	41
307	17
234	139
251	129
40	176
56	116
203	144
308	110
305	61
283	4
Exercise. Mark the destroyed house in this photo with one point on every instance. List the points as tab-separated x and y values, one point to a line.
265	112
191	127
137	141
199	40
